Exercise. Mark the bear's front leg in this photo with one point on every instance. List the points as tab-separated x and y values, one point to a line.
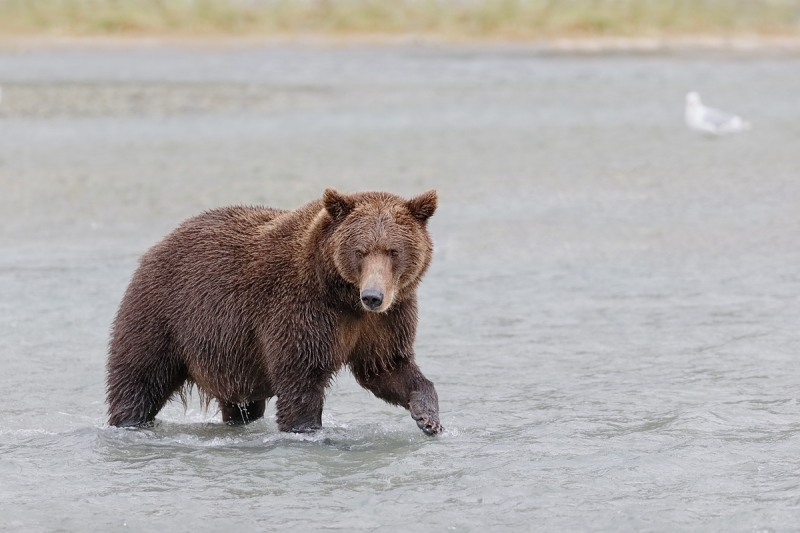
403	385
299	409
424	407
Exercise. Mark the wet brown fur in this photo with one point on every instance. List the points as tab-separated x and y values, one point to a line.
248	303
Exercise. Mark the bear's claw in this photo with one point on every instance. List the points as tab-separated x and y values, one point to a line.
428	424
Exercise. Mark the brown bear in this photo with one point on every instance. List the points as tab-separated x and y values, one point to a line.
247	303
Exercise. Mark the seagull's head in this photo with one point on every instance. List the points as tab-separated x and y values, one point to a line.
692	99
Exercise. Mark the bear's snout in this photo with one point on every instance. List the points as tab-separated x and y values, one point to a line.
377	283
372	299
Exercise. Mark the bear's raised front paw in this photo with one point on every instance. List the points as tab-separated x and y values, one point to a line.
428	424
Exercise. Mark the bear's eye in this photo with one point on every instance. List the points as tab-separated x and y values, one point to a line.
359	254
394	253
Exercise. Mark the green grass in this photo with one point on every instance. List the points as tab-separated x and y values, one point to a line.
515	19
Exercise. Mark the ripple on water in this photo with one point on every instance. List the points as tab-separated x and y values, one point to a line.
610	318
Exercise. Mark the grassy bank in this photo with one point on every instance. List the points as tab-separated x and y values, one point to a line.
514	19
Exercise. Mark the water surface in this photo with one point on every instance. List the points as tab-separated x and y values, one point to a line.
611	318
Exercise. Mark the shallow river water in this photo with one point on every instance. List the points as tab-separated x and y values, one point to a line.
611	318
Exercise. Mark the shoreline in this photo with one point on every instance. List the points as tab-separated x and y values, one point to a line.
567	44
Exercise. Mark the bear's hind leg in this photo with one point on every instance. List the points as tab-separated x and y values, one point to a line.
236	414
139	384
136	402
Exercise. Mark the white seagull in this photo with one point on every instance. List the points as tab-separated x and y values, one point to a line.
710	120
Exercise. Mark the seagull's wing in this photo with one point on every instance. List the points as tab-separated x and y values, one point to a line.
719	119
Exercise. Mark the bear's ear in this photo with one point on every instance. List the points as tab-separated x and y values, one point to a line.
337	205
423	206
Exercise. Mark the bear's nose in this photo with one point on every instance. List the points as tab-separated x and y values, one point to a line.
371	298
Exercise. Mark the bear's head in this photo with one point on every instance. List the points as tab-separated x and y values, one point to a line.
380	243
